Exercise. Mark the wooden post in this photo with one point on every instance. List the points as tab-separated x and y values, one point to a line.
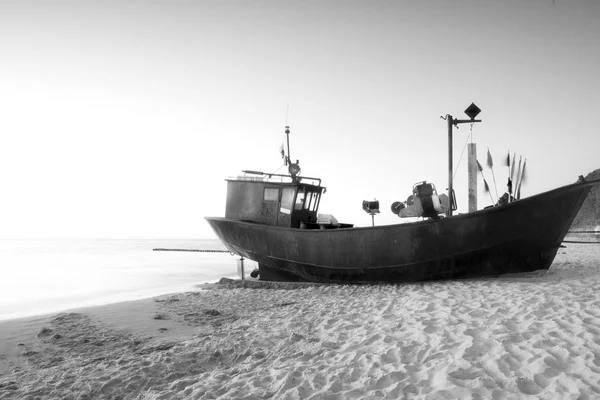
472	173
450	205
240	268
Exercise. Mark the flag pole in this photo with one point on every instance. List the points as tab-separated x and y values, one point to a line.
518	175
518	193
509	184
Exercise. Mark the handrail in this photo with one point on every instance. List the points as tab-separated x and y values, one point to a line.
269	175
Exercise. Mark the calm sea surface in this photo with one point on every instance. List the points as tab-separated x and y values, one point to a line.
44	276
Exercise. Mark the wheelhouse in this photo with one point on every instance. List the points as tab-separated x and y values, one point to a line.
270	202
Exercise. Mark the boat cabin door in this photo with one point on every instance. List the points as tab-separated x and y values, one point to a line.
286	206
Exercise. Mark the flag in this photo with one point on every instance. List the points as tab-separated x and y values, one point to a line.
283	155
512	169
508	159
479	166
490	162
487	188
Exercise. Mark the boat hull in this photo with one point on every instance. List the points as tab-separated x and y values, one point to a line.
517	237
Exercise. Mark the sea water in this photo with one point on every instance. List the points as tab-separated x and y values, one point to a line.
44	276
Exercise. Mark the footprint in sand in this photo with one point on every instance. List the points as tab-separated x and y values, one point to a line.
44	333
511	325
528	386
409	390
388	380
110	386
331	323
478	313
431	327
556	364
517	353
155	371
477	350
373	339
293	380
541	380
390	357
409	353
467	378
558	359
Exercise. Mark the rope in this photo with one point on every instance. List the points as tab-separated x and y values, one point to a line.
282	165
461	154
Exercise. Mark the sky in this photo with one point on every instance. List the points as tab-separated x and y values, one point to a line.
122	119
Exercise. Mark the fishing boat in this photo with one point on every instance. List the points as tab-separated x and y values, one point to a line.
273	219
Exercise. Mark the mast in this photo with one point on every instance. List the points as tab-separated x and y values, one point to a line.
293	168
471	111
450	189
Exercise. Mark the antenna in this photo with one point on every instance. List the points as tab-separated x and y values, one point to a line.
287	159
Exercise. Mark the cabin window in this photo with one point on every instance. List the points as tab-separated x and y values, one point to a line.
271	194
311	201
308	200
317	201
287	200
300	199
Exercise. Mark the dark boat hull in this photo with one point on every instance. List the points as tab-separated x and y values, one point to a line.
518	237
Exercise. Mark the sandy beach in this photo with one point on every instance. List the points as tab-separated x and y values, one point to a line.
534	335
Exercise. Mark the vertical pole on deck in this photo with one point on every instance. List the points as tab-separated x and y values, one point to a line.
450	197
472	174
472	111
